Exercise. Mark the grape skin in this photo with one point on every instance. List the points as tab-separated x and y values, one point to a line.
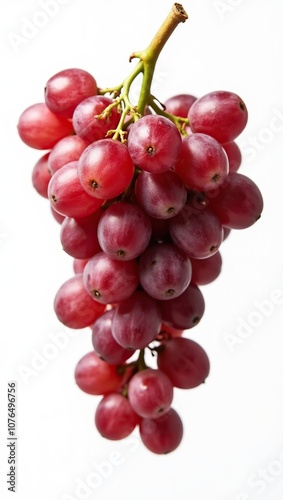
104	343
220	114
162	435
108	280
184	361
164	271
41	176
124	231
149	141
73	305
39	128
66	89
114	417
96	377
99	169
150	393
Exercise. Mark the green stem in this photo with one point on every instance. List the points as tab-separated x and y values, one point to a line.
150	55
146	66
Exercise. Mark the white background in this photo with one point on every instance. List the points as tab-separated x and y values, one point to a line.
233	442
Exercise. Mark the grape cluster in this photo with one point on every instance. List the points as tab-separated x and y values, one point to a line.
144	200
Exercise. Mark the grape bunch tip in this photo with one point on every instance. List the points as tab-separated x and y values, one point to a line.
145	193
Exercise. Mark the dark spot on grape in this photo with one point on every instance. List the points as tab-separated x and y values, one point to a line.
161	410
169	292
195	320
93	184
121	253
258	217
212	248
242	106
96	293
171	210
216	178
150	150
53	198
153	262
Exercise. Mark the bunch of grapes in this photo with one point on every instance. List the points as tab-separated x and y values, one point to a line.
145	195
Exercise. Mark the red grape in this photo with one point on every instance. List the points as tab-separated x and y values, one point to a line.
205	271
154	143
165	272
136	321
65	90
150	393
88	123
67	195
161	195
114	417
104	343
124	231
234	155
95	376
73	305
41	176
197	233
184	361
39	128
239	203
162	435
221	114
185	311
66	150
105	169
108	280
179	105
79	236
203	163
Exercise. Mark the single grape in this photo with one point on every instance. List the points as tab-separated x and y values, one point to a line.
203	163
41	176
150	393
66	150
239	203
39	128
109	281
185	311
114	417
79	236
65	90
197	233
205	271
184	361
105	169
104	343
221	114
79	265
164	271
154	143
67	195
95	376
89	122
124	231
234	155
179	105
164	434
58	217
73	305
136	321
160	195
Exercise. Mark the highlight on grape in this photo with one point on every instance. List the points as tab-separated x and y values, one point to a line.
145	193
